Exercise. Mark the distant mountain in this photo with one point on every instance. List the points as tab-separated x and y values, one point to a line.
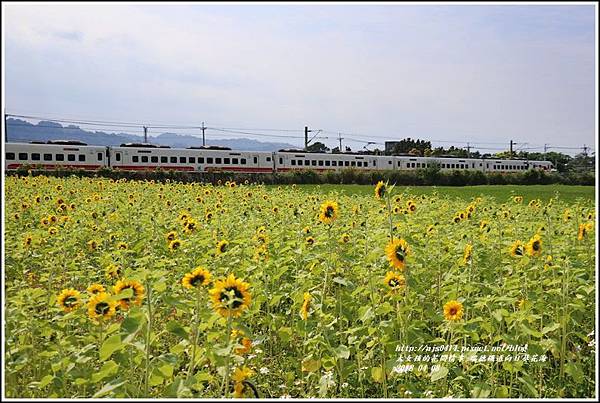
23	131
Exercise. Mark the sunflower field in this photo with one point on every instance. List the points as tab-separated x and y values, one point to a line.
141	289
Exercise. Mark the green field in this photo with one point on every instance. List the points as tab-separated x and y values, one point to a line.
499	192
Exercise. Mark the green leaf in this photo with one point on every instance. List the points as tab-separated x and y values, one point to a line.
342	351
310	365
109	387
574	371
285	333
377	374
327	362
110	345
108	369
176	328
551	328
45	381
366	314
439	373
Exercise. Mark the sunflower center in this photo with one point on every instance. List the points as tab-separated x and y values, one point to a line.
102	308
329	212
400	254
199	279
237	298
70	301
453	311
536	246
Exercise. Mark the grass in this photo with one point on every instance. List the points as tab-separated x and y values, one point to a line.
499	192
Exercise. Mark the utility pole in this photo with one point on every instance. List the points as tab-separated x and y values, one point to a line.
546	148
585	148
511	150
340	138
468	150
145	134
203	139
306	137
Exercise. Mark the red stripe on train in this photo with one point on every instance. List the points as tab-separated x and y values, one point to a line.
52	166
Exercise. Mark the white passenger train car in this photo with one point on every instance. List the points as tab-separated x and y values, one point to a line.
55	154
144	157
299	160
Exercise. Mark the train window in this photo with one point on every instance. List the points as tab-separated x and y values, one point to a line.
135	158
71	157
118	156
173	160
10	156
235	161
353	163
154	159
200	160
226	161
347	163
293	162
280	160
256	160
182	160
99	156
35	156
334	163
487	166
313	163
192	160
374	163
218	161
268	159
81	157
144	158
327	163
209	160
47	157
320	163
389	162
243	161
22	156
164	160
306	162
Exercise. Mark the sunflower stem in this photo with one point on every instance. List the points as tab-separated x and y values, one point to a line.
195	341
226	375
148	331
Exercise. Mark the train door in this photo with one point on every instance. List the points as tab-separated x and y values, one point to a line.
118	158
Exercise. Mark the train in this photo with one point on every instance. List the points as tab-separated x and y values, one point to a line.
73	154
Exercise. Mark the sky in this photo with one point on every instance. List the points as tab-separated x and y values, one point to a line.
483	74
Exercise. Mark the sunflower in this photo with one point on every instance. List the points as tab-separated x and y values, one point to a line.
27	241
534	246
199	277
101	306
171	236
190	225
548	262
329	212
517	249
230	296
430	230
52	230
397	251
138	292
113	271
468	254
96	289
456	219
583	230
310	241
518	199
380	190
93	244
395	281
239	377
69	299
122	245
345	238
305	306
453	310
484	226
208	216
306	230
222	247
567	215
174	245
53	219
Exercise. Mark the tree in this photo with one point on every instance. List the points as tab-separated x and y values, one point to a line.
317	147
